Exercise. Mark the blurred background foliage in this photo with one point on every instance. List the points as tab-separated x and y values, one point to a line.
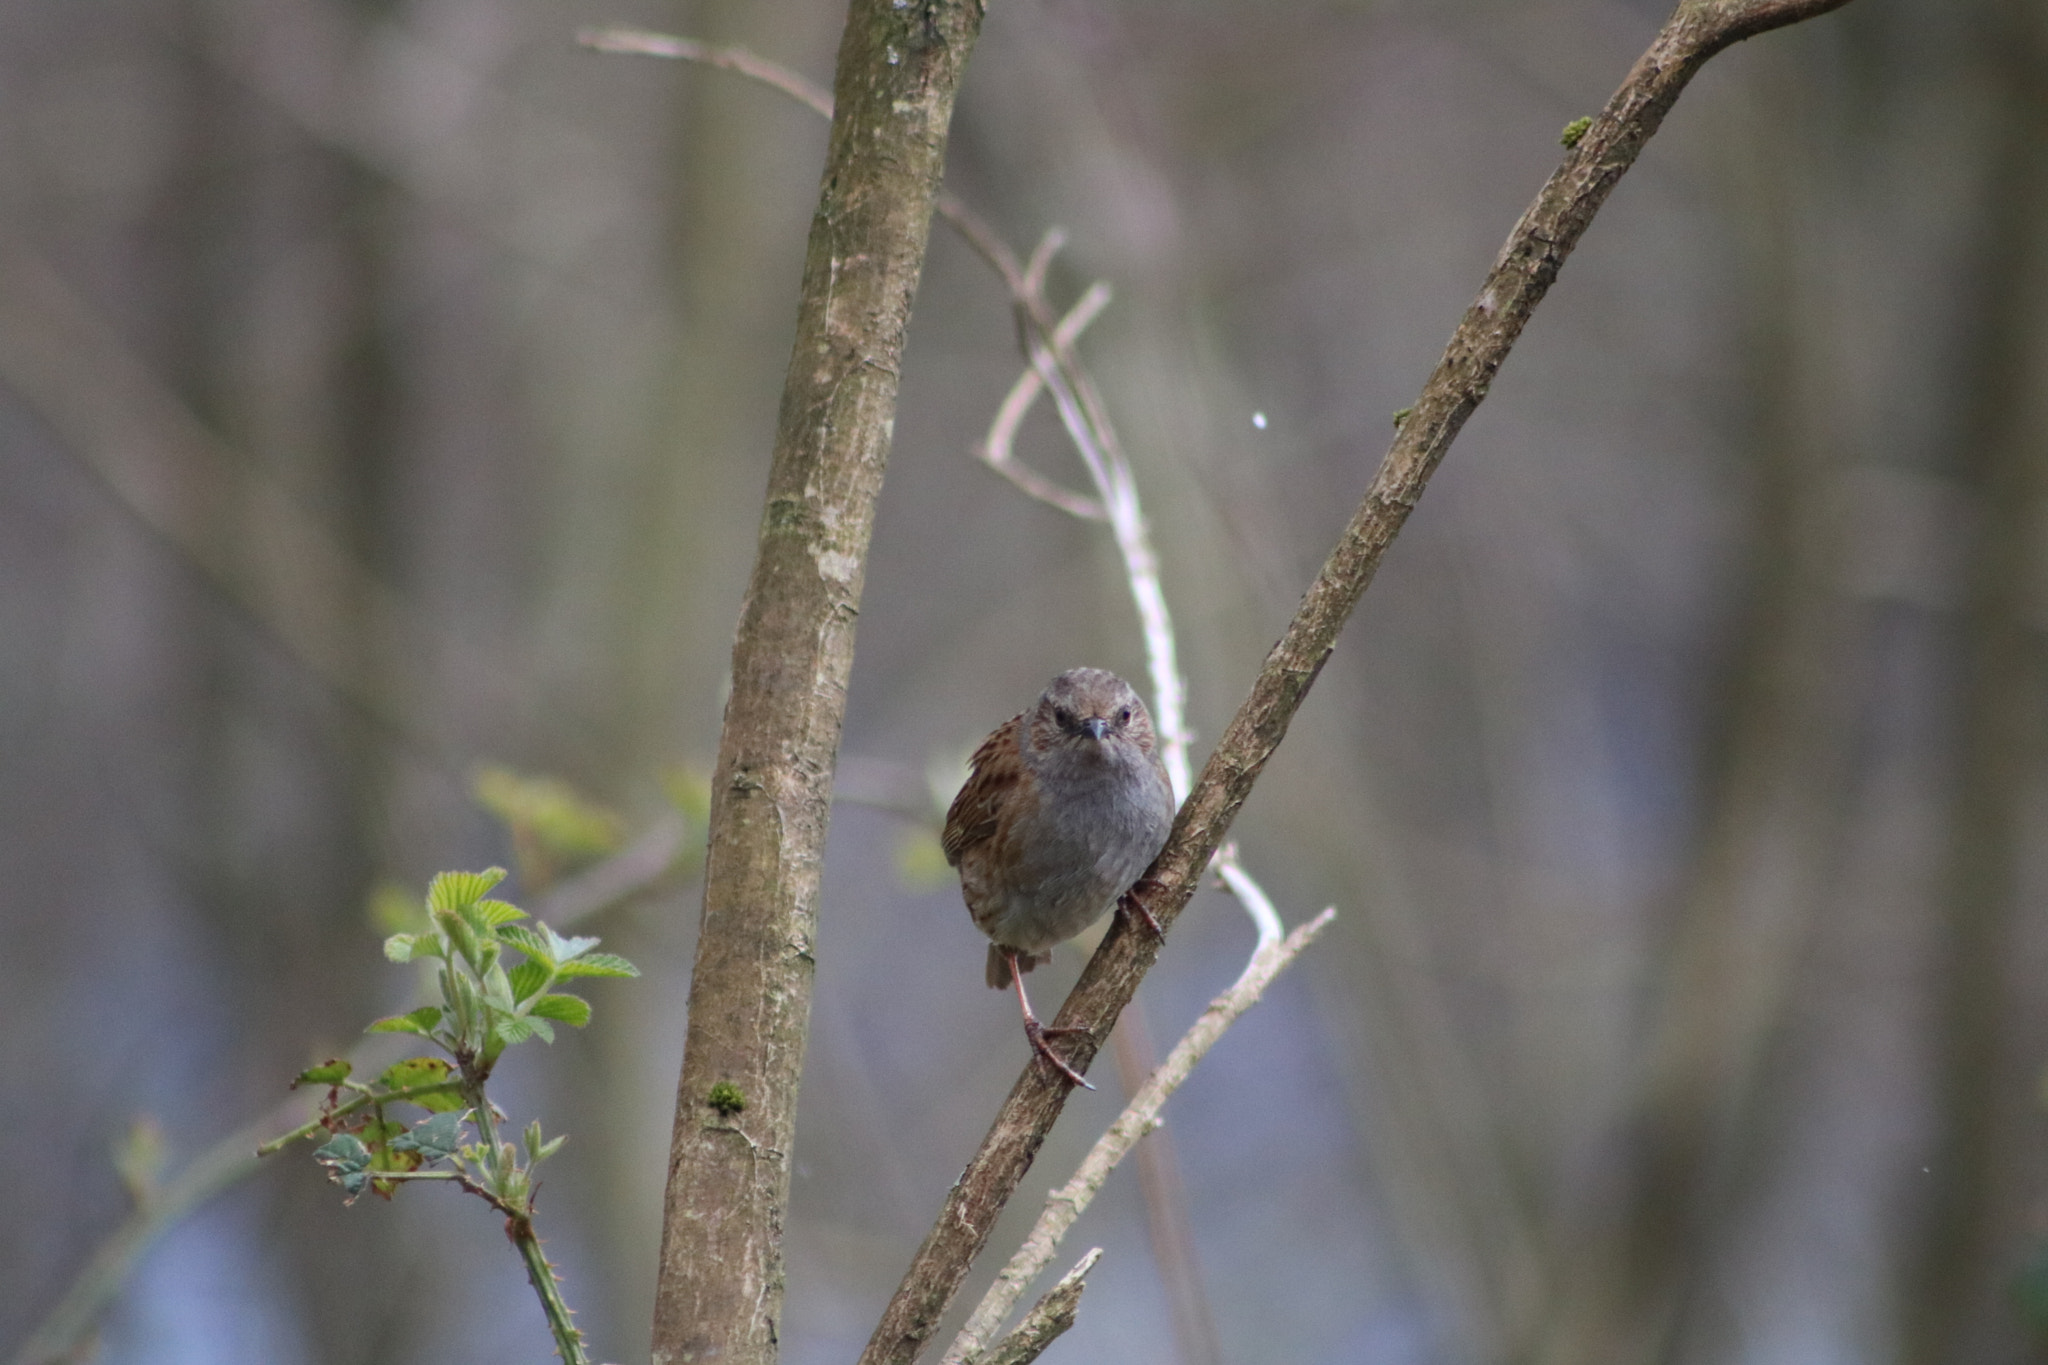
386	390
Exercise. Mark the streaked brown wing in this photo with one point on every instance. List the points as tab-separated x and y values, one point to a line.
975	812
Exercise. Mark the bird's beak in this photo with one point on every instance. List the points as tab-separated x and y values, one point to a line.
1096	726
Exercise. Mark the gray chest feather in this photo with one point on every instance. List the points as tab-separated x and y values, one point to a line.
1069	859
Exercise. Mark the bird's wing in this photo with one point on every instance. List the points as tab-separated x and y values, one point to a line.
997	766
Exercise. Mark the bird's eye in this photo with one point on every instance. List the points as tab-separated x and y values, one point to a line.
1064	717
1123	717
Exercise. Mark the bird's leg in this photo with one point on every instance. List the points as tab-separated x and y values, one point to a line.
1037	1033
1132	903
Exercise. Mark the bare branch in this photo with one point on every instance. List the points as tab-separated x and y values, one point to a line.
1139	1117
1527	266
1048	1318
641	42
997	450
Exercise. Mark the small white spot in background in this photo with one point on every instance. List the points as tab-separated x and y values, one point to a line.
893	58
1259	420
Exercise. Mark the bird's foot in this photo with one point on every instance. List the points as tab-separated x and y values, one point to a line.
1037	1033
1132	903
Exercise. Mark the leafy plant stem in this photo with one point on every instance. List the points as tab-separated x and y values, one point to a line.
382	1097
568	1340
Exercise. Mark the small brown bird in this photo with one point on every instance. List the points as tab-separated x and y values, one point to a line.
1066	806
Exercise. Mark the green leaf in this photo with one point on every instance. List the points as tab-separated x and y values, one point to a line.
347	1162
379	1131
344	1151
526	941
598	964
572	1010
517	1028
457	890
327	1073
414	1071
495	913
460	933
528	978
564	949
459	989
549	1148
498	989
435	1139
420	1021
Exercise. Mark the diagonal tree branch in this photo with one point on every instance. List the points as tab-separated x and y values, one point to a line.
1526	268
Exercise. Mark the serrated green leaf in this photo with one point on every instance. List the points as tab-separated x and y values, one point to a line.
495	913
572	1010
436	1138
518	1028
344	1152
563	949
401	947
598	964
527	979
327	1073
526	941
420	1021
455	890
479	925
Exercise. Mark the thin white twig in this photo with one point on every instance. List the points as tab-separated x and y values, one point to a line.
1249	895
641	42
1048	1318
1066	1204
997	450
1094	438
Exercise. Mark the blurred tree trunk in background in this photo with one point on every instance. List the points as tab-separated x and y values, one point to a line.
1983	1219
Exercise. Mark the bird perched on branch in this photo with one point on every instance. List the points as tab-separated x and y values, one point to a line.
1066	807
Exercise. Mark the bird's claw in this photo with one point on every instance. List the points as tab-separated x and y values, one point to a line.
1037	1033
1132	903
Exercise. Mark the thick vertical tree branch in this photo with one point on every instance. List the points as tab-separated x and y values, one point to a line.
719	1294
1527	265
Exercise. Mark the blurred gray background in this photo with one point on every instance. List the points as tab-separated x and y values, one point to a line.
386	390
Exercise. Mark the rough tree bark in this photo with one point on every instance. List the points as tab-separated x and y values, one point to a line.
1528	264
719	1294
